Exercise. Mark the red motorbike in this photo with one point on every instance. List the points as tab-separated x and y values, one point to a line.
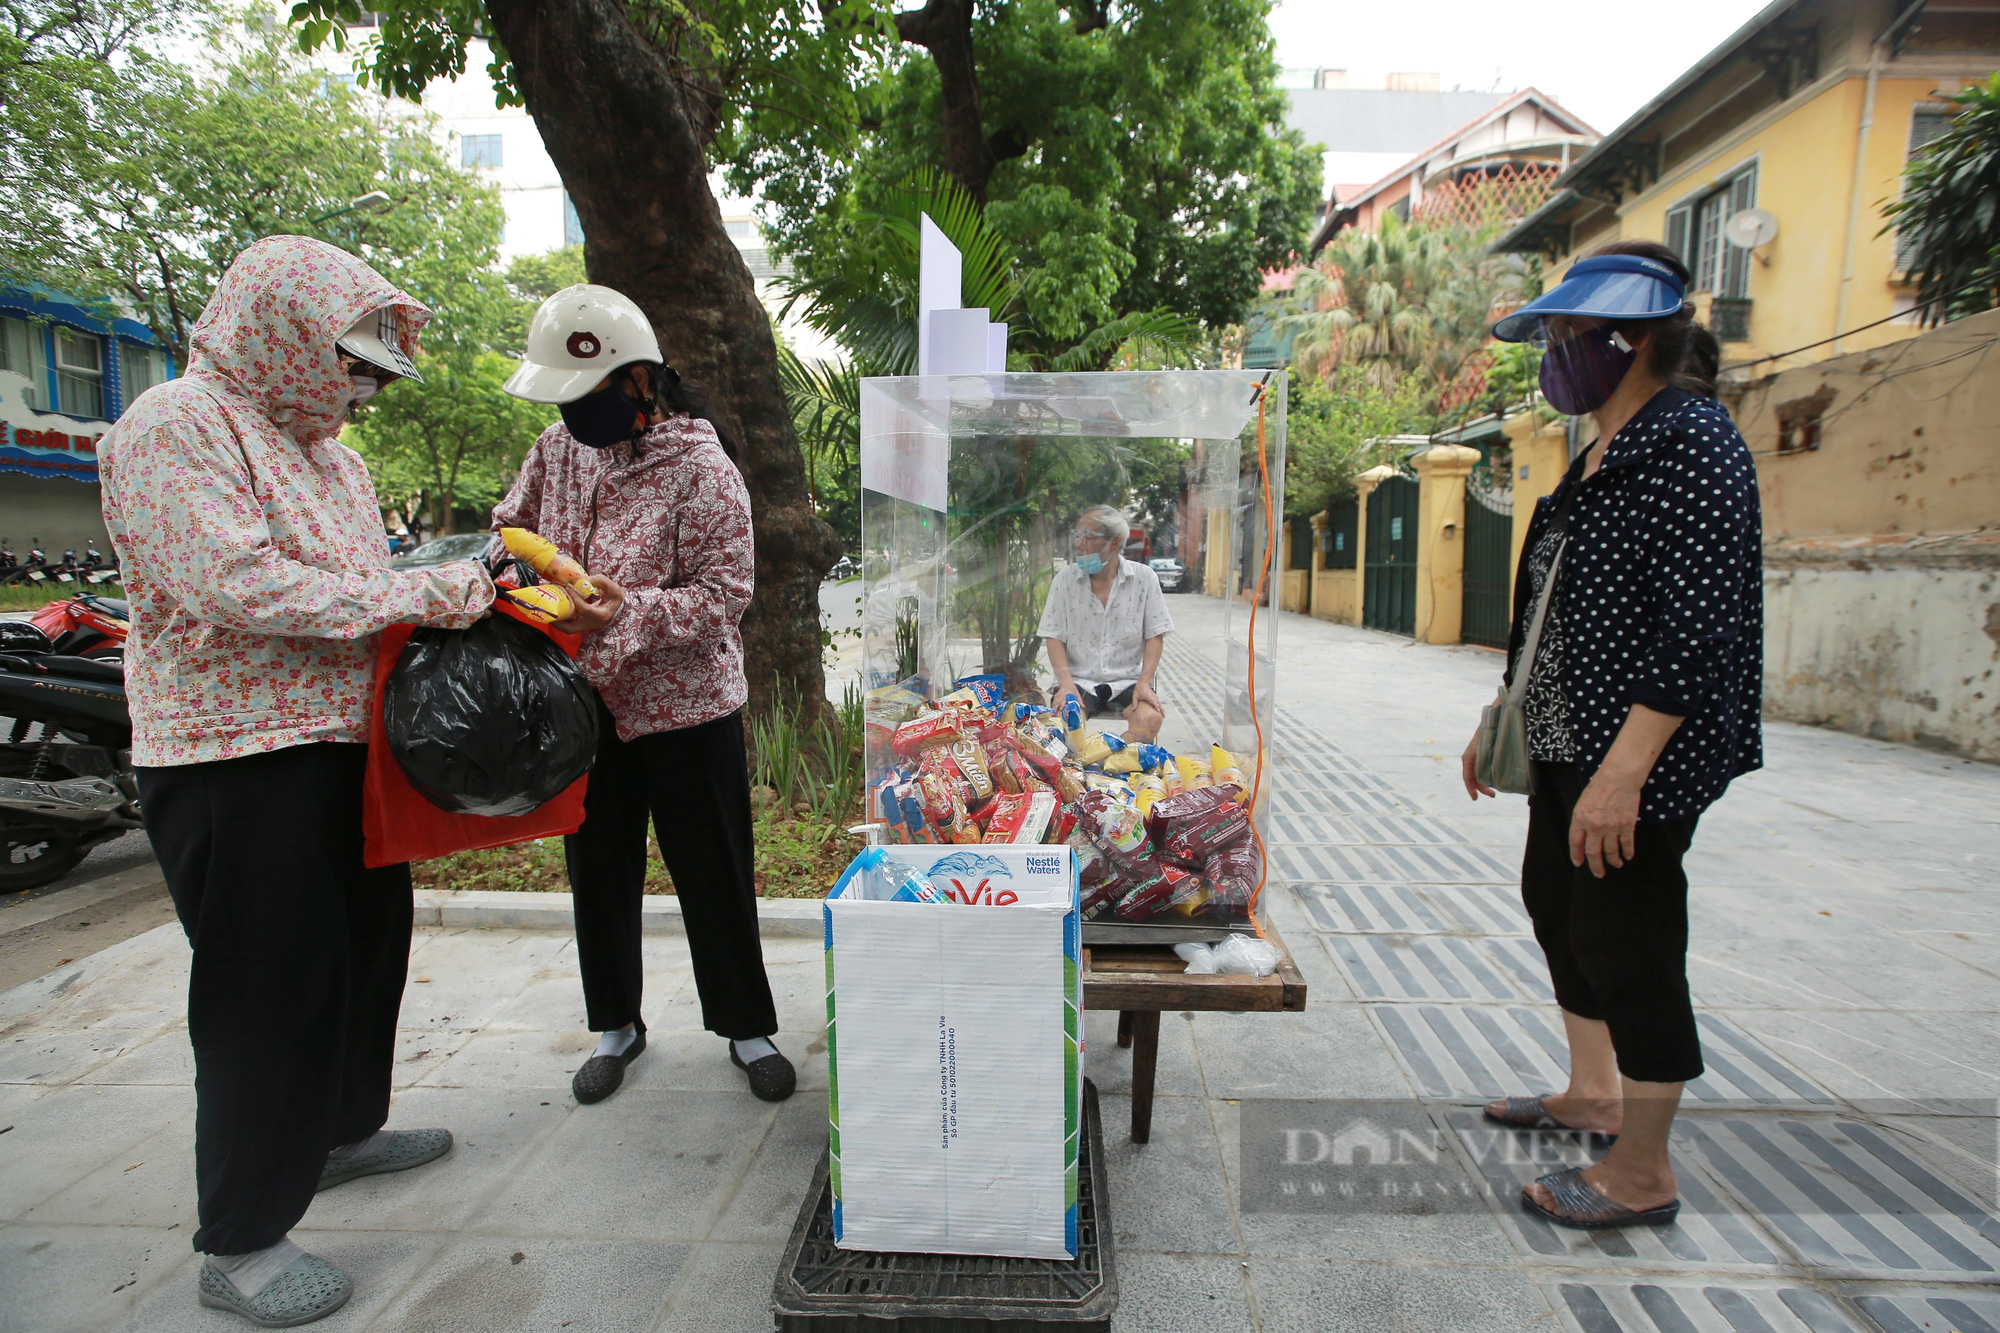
85	625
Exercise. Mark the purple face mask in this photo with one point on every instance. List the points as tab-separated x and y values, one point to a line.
1580	373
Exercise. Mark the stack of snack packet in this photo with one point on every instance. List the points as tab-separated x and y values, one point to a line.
1157	836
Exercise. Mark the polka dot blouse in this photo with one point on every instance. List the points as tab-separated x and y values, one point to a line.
1662	592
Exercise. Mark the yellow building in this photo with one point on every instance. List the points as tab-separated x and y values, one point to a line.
1808	113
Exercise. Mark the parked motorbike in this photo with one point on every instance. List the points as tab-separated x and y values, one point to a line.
86	625
66	779
31	570
95	569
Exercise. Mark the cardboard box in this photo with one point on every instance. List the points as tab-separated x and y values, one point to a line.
955	1057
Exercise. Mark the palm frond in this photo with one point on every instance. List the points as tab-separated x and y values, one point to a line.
1176	337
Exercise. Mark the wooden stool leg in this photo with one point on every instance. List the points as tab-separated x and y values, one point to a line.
1145	1056
1124	1028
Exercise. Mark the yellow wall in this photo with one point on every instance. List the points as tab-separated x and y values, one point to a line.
1906	445
1805	153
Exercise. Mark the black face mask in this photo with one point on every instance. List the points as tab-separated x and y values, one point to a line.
602	419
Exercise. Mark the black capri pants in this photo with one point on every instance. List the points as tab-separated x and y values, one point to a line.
1617	946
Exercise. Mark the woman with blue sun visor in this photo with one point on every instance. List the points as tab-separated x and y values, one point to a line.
1642	698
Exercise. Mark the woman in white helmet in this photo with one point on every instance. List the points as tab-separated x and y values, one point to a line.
636	484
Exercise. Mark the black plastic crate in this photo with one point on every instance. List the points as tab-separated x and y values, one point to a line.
824	1289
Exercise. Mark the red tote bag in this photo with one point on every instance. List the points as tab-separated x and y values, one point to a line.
399	824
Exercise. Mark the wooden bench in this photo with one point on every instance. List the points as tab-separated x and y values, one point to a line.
1141	981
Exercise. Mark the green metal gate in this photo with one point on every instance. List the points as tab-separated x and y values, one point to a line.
1389	586
1489	546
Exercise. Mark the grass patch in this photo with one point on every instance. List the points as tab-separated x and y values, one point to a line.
798	856
35	596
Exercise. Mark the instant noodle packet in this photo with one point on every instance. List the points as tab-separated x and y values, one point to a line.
970	756
988	689
1146	789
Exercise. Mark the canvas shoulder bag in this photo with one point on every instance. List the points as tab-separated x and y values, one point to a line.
1501	761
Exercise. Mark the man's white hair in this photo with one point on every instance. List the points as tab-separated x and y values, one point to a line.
1113	521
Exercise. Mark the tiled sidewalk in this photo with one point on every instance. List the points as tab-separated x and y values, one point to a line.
1843	955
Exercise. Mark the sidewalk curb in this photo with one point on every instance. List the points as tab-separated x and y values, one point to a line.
777	918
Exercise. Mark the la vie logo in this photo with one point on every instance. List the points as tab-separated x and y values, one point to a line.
961	869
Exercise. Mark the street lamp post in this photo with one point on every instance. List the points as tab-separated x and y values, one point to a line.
373	202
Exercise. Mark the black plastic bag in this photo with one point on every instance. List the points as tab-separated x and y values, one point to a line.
491	720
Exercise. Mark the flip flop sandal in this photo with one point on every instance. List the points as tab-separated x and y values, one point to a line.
1530	1113
406	1148
1585	1209
311	1288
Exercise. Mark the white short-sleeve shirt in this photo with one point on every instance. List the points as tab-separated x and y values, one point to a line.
1105	641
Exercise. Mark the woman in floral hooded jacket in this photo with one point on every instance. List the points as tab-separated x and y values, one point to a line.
634	482
251	544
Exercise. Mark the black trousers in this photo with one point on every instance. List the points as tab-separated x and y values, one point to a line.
695	783
1617	946
300	956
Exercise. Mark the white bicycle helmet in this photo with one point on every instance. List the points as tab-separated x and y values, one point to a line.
579	336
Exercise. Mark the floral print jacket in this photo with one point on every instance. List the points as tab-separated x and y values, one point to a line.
249	537
670	521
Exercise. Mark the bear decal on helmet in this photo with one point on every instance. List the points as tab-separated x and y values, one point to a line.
583	345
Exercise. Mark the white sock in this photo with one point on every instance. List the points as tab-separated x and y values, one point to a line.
618	1042
753	1050
360	1147
251	1273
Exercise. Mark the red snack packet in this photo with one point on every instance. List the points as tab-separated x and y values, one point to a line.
1148	898
1172	812
1233	872
922	733
1008	815
1192	841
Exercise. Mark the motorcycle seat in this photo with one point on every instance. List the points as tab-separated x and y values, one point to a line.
83	668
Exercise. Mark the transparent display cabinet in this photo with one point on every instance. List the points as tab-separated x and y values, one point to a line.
971	485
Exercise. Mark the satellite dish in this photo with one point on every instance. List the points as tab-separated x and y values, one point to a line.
1750	228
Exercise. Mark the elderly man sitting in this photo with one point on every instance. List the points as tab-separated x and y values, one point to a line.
1105	621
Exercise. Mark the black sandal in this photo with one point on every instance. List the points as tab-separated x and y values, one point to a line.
1586	1210
1531	1113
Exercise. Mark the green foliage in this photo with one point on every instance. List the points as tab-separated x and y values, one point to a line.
1142	161
128	178
531	280
1950	210
816	769
454	441
1512	376
1328	427
1406	299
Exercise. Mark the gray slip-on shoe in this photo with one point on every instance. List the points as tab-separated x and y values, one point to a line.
310	1289
406	1148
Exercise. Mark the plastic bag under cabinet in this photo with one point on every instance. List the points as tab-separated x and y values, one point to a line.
955	1057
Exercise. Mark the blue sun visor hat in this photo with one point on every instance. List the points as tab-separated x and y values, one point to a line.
1606	287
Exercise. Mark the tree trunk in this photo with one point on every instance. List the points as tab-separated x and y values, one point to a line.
616	124
944	28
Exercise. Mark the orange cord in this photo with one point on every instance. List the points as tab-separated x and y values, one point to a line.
1263	579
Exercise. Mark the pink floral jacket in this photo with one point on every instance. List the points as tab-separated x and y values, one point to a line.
670	521
249	537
